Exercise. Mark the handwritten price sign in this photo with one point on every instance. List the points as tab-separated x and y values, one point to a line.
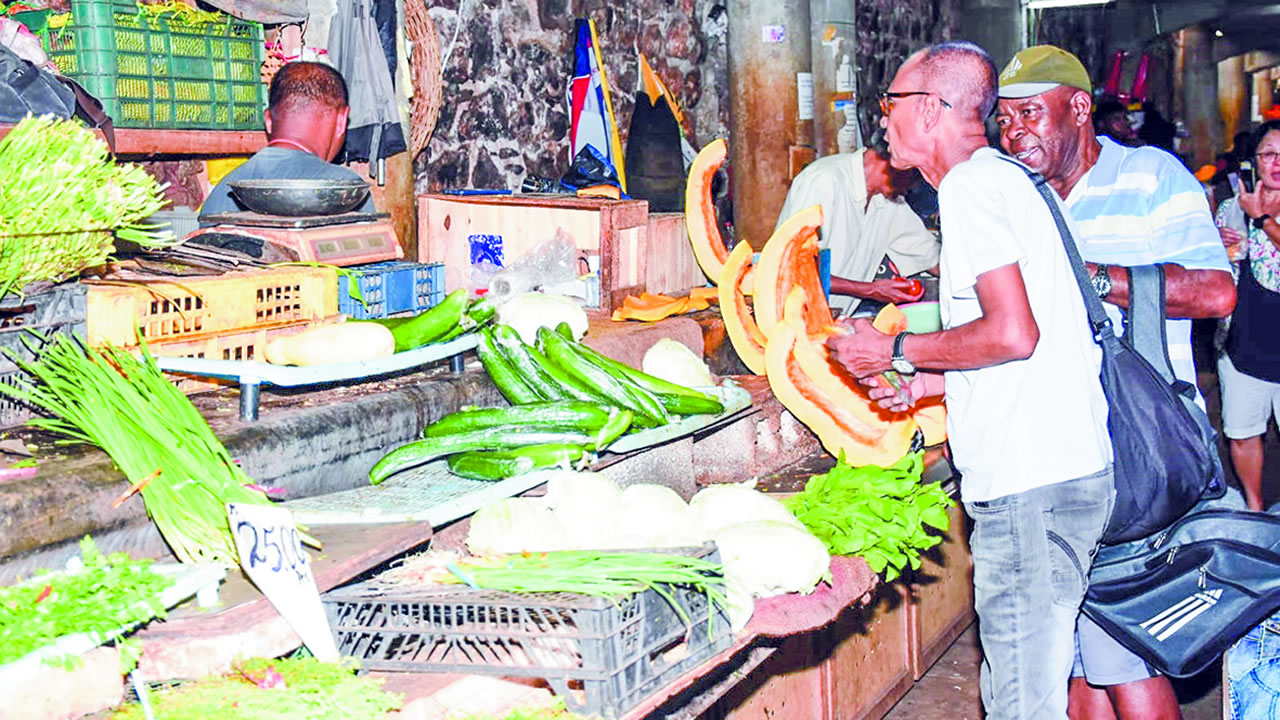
271	554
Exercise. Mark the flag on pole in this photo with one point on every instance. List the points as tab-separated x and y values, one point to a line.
591	108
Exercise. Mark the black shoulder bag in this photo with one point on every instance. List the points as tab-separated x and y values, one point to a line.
1163	465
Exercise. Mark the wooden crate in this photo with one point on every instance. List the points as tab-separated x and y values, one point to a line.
868	666
202	307
941	596
637	251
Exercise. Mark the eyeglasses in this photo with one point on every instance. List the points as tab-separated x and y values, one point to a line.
887	99
1268	157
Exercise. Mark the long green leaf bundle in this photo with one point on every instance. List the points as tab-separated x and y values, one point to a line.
124	405
61	196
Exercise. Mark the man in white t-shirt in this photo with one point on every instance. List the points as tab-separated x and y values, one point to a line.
1026	412
866	225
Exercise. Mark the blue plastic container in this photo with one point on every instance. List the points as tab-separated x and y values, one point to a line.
392	287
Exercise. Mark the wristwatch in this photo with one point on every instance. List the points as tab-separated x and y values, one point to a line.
1102	281
1258	222
902	365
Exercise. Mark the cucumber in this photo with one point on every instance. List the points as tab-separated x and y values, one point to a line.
432	324
619	422
565	331
678	399
501	372
476	317
562	352
389	323
509	342
502	464
570	386
561	415
424	451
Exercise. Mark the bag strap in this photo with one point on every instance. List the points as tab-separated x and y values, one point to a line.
1145	321
1098	320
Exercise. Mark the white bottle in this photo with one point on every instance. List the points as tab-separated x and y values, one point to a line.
844	76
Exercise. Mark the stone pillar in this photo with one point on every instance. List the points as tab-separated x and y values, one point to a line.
832	42
1199	85
1234	88
996	25
1262	90
768	47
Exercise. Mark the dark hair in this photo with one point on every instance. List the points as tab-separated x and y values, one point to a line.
1261	132
306	83
965	67
1107	108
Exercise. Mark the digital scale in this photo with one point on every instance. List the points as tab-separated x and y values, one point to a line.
353	238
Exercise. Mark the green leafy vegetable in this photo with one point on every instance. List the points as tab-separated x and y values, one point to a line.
125	405
61	196
879	514
301	688
109	595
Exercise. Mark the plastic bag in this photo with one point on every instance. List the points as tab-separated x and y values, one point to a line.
548	263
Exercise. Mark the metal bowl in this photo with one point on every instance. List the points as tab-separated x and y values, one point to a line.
300	197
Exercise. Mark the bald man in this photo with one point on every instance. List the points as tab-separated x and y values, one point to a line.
306	121
1019	369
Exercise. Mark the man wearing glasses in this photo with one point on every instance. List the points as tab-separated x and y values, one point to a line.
1133	206
1026	412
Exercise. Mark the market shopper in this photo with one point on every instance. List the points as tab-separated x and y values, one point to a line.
306	121
1131	206
1249	367
1026	411
875	238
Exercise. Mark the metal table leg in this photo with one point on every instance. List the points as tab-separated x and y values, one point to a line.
455	363
249	400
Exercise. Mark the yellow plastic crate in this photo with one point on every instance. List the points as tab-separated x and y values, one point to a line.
203	308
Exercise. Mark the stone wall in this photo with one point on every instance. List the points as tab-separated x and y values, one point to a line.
507	63
507	67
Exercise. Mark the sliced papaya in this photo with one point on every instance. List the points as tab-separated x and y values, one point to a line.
739	323
843	397
890	320
645	300
709	294
789	259
652	310
931	415
700	212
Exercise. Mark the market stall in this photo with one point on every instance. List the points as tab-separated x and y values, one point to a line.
526	457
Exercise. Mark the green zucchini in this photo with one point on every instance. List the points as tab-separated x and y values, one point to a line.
533	375
424	451
476	317
502	464
641	402
560	415
432	324
678	399
501	372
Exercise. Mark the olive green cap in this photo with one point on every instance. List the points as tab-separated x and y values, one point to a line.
1040	69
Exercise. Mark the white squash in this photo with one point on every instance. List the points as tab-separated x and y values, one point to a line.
328	344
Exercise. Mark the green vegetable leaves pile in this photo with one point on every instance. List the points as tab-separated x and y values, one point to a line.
879	514
300	688
110	594
61	195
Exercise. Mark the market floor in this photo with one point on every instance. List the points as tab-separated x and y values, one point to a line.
949	690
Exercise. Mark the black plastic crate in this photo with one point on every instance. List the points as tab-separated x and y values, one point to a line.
50	310
601	656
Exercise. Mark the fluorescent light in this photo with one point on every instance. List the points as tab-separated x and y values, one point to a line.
1046	4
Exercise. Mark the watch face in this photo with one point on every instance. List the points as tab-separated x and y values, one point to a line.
903	366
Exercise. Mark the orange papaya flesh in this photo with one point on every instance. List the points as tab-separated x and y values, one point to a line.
931	415
645	300
700	212
739	324
709	294
780	266
890	320
849	403
656	312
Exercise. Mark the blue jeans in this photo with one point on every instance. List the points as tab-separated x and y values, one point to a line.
1031	557
1253	664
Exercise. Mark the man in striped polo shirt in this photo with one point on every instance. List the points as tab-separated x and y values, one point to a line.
1132	206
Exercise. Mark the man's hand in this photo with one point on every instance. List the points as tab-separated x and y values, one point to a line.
864	351
895	290
918	386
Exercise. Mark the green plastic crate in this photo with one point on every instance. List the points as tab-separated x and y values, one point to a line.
153	73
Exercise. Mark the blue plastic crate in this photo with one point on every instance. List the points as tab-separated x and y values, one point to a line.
392	287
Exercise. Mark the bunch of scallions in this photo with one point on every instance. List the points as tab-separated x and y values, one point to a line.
124	405
61	198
